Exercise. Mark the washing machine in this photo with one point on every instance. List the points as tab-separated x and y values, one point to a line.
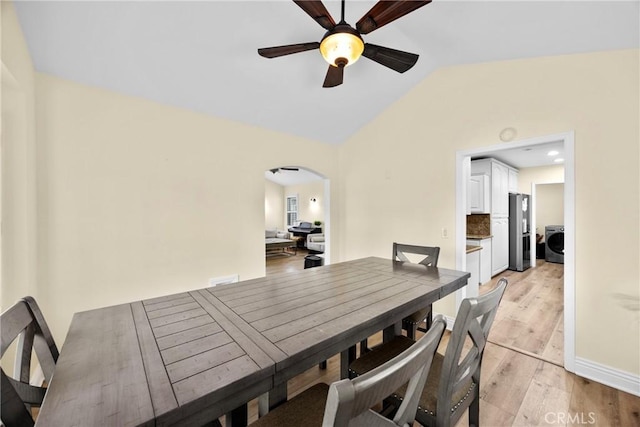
554	243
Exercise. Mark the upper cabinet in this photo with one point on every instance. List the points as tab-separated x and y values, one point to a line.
479	194
499	190
513	180
502	180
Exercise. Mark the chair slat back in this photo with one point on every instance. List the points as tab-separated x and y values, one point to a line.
348	399
24	323
432	252
474	319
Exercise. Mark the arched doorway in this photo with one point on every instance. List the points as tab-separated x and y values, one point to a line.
293	195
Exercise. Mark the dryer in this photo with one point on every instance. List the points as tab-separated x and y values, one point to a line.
554	243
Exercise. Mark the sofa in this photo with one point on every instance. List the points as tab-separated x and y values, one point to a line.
315	242
275	240
276	234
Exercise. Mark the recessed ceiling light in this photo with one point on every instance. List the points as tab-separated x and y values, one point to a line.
558	160
552	153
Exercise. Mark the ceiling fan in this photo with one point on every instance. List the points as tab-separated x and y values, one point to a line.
342	44
276	170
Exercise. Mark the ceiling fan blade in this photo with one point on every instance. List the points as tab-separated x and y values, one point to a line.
276	51
395	59
318	12
334	76
386	11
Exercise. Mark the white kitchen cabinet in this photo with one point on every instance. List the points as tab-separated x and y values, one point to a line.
499	184
484	274
499	190
502	179
499	245
513	180
473	267
479	194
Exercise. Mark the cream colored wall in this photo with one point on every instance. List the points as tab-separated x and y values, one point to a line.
398	173
135	199
308	210
140	199
18	171
540	175
549	206
273	205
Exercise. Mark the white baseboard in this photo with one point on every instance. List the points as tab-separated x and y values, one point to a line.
620	380
450	320
606	375
224	280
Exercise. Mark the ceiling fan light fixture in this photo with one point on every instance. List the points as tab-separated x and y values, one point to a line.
342	47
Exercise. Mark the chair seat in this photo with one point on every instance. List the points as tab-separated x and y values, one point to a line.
378	355
418	317
305	409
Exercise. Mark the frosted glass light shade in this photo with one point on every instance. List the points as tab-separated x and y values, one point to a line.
341	45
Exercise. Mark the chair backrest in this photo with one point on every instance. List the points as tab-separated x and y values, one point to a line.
24	321
431	253
349	399
474	319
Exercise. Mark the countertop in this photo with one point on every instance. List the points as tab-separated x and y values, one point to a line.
472	248
479	236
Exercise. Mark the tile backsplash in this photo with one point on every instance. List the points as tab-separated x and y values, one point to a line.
479	225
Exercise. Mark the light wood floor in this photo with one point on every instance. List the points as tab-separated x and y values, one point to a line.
279	263
530	317
521	382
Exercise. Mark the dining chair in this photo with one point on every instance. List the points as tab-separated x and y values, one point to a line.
348	401
453	385
412	323
25	323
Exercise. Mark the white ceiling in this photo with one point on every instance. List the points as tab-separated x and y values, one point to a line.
530	156
286	177
202	55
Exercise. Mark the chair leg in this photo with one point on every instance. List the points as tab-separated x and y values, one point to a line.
411	331
428	321
474	412
364	347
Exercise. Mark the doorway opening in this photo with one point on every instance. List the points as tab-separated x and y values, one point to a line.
463	161
297	213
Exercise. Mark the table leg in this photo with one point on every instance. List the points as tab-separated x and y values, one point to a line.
346	357
272	399
390	332
238	417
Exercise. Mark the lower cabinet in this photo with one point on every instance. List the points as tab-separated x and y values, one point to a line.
473	267
484	273
500	245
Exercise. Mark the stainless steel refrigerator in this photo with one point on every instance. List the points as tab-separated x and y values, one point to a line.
519	232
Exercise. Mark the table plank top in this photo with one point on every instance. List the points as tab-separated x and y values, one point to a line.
103	337
312	314
190	357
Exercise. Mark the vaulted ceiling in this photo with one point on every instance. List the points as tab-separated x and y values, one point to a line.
202	55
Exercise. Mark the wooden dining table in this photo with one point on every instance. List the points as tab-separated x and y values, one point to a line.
191	357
